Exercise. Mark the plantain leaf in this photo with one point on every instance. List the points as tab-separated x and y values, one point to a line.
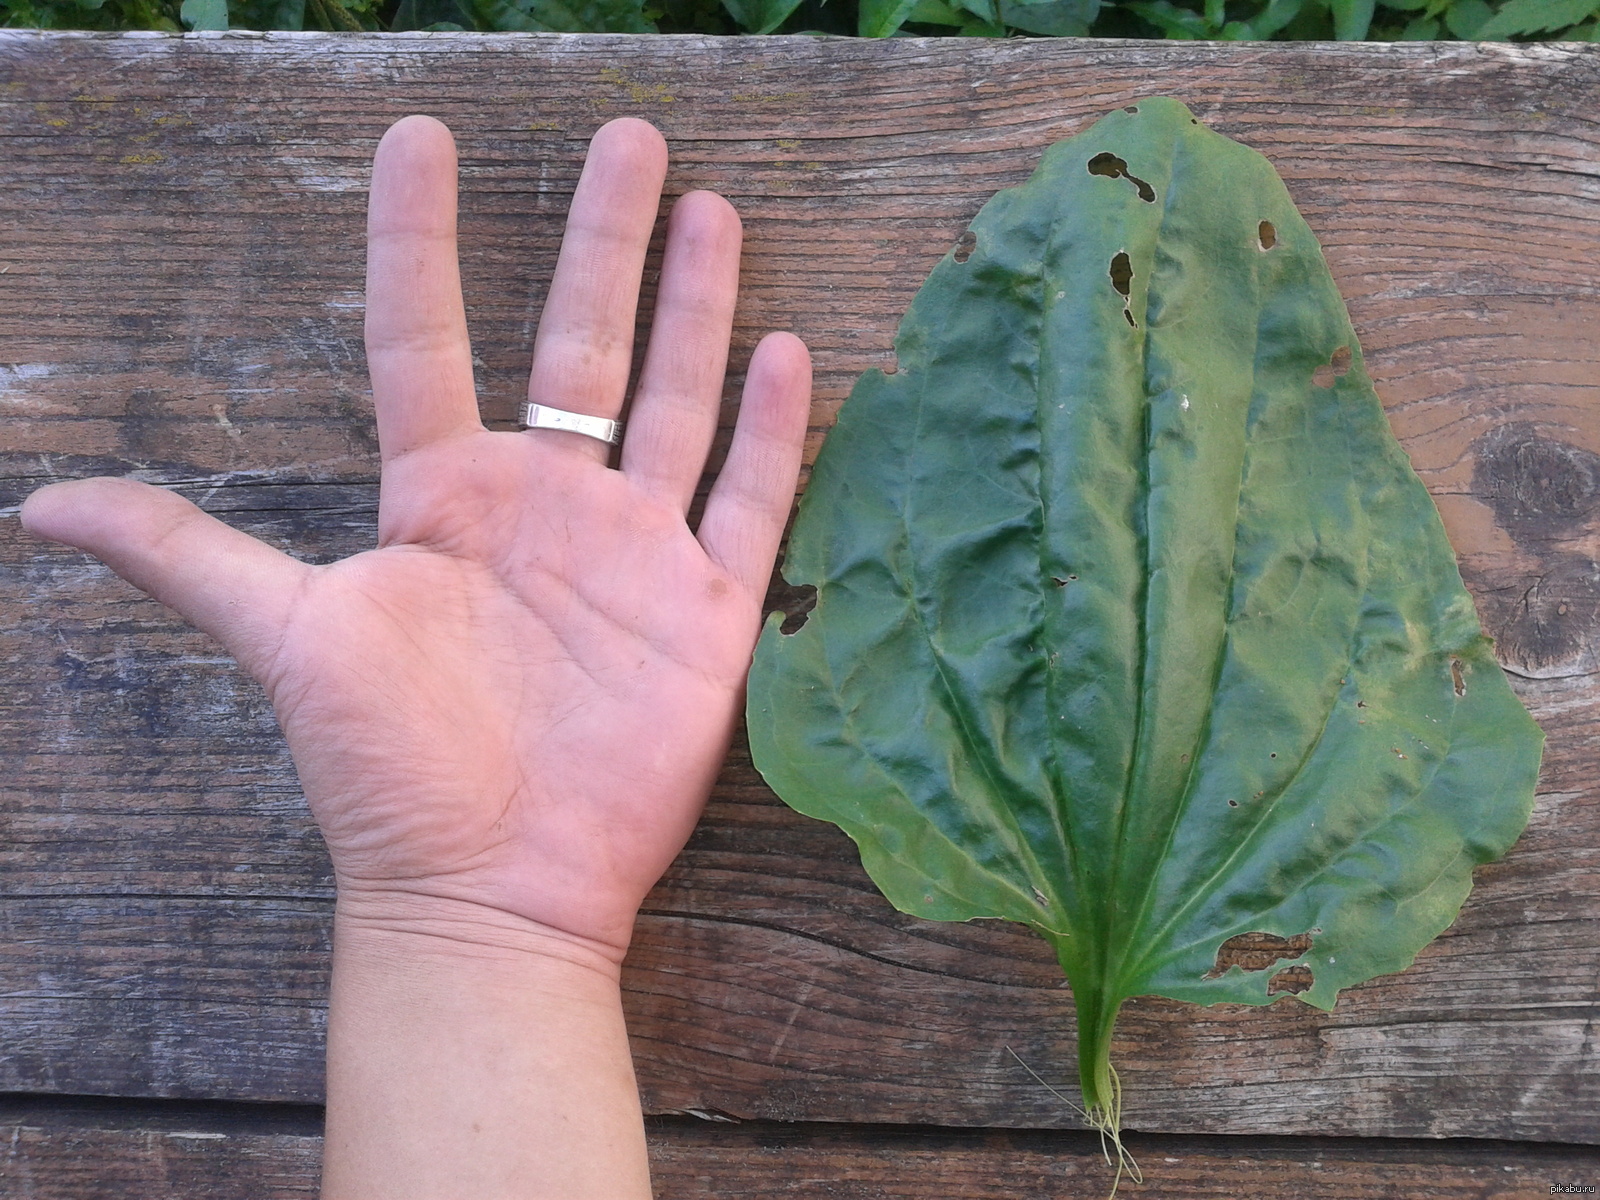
1133	623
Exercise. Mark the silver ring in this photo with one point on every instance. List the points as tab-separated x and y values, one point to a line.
542	416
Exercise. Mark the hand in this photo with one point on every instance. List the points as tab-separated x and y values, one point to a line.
515	706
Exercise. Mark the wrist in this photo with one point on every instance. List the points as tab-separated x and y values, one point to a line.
472	1052
419	931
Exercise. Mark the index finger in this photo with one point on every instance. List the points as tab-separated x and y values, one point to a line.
418	353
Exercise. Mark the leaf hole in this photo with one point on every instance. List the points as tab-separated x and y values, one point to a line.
1121	271
1267	235
965	245
1457	678
1233	804
1361	703
794	602
1293	980
1058	582
1338	364
1132	108
1112	167
1274	754
1257	950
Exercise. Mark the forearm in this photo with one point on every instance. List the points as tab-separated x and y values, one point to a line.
476	1058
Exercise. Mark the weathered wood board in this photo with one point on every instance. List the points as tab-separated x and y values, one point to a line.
180	297
76	1151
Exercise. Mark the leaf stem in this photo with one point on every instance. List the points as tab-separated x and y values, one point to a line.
1097	1014
1102	1090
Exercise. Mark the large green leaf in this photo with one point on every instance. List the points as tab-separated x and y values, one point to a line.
1133	623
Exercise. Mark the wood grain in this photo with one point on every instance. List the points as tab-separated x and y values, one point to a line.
71	1150
180	274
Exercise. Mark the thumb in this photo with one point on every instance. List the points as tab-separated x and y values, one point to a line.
224	582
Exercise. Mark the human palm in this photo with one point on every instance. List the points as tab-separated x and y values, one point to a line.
518	701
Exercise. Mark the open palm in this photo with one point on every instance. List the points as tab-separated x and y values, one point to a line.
517	703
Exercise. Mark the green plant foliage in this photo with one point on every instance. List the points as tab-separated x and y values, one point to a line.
880	18
1526	17
205	14
92	14
1352	19
1052	18
1221	20
1133	623
761	16
346	16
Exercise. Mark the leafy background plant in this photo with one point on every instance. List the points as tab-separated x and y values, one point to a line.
1221	20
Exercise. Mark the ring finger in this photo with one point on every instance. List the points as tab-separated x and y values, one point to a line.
584	346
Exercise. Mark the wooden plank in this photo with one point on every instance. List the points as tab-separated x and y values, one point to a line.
75	1151
742	1163
80	1150
180	273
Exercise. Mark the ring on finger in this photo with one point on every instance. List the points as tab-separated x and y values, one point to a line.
542	416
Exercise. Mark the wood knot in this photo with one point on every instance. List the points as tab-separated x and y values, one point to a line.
1543	611
1538	487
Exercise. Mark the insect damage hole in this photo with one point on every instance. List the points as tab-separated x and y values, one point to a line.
1267	235
965	245
1256	951
1121	273
1293	980
795	603
1338	365
1112	167
1457	678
